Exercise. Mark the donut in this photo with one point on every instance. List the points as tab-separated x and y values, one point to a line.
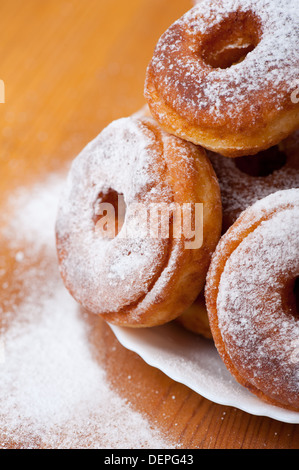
120	253
224	75
195	318
244	180
252	298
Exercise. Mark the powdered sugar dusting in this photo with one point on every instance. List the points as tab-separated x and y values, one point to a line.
127	158
54	393
264	79
257	327
239	190
127	273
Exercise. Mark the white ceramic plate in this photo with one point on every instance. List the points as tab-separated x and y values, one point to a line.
194	361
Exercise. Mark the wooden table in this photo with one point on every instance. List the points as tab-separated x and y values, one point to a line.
69	68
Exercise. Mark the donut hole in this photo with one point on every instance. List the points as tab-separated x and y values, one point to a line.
229	42
109	213
262	164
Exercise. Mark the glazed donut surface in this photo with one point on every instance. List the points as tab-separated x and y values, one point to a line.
223	75
252	298
134	279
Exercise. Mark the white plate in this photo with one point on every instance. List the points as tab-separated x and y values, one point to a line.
194	362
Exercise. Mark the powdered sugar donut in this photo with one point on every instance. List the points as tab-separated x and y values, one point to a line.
245	180
129	271
252	298
224	76
195	318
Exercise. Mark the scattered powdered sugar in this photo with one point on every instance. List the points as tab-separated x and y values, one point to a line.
35	211
258	84
258	329
54	393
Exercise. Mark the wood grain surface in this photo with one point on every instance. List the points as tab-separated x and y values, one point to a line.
69	68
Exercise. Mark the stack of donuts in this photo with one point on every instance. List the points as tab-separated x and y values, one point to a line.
220	131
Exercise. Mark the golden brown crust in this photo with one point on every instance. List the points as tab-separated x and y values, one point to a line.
222	141
274	381
246	179
195	318
233	110
175	274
